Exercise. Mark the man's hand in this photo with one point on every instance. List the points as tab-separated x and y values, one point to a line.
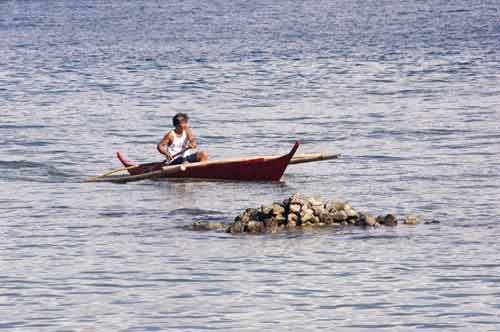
168	157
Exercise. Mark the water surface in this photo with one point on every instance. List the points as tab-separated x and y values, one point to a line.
407	91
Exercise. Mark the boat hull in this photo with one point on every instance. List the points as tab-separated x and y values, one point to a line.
243	169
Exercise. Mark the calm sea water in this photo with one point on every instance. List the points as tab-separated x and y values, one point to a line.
408	91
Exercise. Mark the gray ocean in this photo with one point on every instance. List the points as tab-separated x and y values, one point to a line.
407	91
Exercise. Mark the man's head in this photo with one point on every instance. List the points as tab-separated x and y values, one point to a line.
180	120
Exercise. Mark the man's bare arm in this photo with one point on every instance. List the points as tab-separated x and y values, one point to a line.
192	141
163	144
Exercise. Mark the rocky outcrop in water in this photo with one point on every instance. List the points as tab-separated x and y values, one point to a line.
300	212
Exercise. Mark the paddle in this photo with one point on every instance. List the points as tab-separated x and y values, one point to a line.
175	156
121	169
92	178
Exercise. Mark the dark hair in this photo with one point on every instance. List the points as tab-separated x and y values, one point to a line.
176	120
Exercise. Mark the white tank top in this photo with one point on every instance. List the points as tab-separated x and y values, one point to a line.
178	143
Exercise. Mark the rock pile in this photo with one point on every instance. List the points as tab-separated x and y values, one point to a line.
298	212
301	211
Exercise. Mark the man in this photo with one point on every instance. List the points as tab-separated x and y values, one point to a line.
177	144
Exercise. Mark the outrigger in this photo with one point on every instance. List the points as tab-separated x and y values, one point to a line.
259	168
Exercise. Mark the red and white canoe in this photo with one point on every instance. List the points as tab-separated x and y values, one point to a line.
261	168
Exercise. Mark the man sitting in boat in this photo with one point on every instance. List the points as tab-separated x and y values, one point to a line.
178	145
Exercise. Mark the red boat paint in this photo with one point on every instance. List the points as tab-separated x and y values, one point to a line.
139	169
243	169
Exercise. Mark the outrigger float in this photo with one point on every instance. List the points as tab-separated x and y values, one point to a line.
259	168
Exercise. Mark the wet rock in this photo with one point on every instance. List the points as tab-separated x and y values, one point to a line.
292	217
249	214
277	209
366	220
351	214
271	222
206	226
292	220
370	220
318	209
326	218
339	216
236	227
411	220
251	211
389	220
297	198
361	219
307	216
295	208
299	211
265	210
314	202
244	217
254	226
339	205
329	206
280	219
351	221
304	211
304	208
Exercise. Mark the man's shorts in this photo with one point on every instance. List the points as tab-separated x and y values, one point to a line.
181	159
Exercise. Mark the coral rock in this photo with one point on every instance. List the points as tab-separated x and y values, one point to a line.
390	220
351	214
277	209
307	217
318	209
326	218
236	227
280	218
297	199
254	226
206	226
314	202
329	206
339	205
301	211
370	220
295	208
339	216
366	220
411	220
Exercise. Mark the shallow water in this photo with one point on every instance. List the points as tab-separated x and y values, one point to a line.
408	92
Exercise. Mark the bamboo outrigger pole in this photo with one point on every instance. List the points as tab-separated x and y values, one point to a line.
166	170
307	158
93	178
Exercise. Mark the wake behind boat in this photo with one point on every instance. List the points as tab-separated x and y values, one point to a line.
259	168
